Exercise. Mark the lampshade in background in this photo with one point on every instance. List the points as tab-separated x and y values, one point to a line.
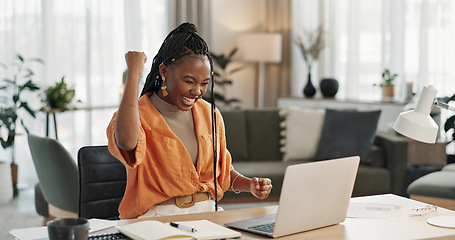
259	48
418	124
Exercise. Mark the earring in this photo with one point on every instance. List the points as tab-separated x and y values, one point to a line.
165	93
163	88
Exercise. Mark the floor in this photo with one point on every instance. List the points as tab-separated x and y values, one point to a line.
21	213
24	202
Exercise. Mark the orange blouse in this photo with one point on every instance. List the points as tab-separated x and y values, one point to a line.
163	167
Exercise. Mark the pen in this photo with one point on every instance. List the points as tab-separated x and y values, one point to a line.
183	227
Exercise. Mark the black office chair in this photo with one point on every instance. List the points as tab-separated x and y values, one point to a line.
102	183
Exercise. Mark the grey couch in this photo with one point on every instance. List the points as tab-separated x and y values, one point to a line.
253	140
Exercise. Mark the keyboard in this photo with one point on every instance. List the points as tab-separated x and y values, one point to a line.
267	227
108	236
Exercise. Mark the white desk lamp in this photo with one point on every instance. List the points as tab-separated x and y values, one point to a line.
418	124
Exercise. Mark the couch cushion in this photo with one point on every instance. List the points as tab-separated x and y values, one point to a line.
371	180
263	132
302	130
236	139
376	156
266	169
347	133
440	184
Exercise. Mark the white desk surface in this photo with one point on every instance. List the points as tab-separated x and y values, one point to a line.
399	226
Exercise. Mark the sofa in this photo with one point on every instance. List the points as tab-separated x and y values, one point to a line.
254	137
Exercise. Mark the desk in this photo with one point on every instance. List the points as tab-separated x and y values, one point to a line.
404	227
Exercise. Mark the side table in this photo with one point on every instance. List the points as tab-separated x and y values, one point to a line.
52	111
425	154
424	158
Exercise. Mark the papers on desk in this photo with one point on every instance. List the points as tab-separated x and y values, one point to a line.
373	210
35	233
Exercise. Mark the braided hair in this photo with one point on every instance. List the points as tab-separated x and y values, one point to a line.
180	42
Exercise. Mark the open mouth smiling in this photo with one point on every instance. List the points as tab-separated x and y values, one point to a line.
188	101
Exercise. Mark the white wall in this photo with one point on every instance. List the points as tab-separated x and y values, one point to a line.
231	18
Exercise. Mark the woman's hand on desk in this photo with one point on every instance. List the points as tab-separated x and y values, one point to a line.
260	187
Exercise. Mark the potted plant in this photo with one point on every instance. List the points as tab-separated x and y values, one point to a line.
10	114
58	98
387	84
449	126
222	77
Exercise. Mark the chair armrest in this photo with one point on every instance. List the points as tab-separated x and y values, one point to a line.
396	151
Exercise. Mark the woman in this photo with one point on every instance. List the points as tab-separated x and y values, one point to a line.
164	139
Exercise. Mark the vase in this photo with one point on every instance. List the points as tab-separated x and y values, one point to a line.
328	87
309	89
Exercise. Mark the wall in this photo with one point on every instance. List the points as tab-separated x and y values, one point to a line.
231	18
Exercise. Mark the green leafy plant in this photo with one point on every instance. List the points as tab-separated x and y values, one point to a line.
58	97
450	122
387	78
222	77
13	88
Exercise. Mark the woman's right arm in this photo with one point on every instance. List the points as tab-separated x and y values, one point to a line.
127	122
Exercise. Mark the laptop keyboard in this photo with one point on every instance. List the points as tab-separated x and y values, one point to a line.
267	227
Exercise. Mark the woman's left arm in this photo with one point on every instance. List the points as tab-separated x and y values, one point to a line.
259	187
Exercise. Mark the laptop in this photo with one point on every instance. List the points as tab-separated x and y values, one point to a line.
314	195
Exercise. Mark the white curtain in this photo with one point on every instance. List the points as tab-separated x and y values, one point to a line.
85	41
278	76
413	38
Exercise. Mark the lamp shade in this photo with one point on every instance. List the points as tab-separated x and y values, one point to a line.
260	47
418	124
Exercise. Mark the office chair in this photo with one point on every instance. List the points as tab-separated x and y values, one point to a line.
102	182
57	174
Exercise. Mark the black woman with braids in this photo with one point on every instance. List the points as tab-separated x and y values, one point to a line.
165	138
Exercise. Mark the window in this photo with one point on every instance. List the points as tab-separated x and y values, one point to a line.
85	41
413	38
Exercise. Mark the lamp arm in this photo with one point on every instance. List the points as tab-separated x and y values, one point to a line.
444	105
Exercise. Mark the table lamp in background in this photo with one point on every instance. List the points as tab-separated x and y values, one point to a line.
260	48
419	125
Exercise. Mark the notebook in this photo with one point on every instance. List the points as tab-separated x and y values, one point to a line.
314	195
151	229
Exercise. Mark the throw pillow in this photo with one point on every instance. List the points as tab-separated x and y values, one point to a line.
302	132
235	131
347	133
